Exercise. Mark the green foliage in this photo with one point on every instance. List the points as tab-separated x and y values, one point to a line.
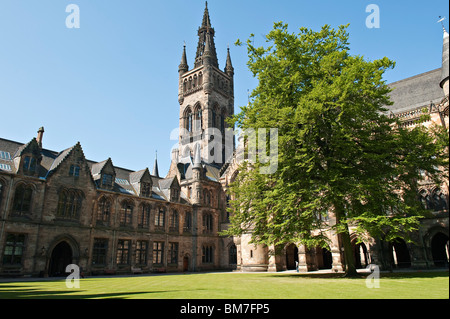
340	155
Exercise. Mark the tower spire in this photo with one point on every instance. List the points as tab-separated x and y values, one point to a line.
203	30
206	22
155	167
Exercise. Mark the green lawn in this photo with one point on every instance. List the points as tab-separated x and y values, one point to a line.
237	285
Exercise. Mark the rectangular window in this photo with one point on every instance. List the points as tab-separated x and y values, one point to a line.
207	254
123	252
29	164
5	155
14	247
158	252
146	190
141	252
173	253
74	170
99	251
107	180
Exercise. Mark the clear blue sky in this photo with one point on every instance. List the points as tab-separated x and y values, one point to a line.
112	84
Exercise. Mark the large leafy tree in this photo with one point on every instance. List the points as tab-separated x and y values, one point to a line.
339	153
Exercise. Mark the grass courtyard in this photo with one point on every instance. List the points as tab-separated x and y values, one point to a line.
287	285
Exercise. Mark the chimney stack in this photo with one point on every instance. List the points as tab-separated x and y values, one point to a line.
40	135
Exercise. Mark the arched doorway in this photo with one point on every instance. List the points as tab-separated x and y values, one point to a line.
440	250
325	259
361	255
186	263
60	258
291	256
400	254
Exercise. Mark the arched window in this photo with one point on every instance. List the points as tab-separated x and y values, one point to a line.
198	118
214	117
160	218
126	213
69	204
22	200
144	216
185	85
194	84
173	222
190	83
439	200
207	223
104	210
187	222
188	119
222	122
425	199
200	78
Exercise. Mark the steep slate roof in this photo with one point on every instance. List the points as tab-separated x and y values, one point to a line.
52	159
416	91
59	159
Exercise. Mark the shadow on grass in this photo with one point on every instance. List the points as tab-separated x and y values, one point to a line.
396	275
47	294
19	292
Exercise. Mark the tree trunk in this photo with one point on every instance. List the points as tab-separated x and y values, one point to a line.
350	269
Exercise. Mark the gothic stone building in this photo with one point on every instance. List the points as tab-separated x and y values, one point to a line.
59	208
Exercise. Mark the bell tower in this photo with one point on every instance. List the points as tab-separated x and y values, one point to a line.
206	98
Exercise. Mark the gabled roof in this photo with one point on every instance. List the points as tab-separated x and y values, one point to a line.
136	177
59	159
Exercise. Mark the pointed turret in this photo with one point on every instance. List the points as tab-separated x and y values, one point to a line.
183	67
207	54
155	167
445	63
205	29
228	66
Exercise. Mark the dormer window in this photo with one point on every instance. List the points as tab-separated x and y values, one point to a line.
175	195
146	189
107	180
29	165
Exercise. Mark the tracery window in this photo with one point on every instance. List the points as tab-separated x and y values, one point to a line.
69	204
104	210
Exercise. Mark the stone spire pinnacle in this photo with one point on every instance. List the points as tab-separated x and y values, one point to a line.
205	29
183	67
155	167
206	22
228	66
